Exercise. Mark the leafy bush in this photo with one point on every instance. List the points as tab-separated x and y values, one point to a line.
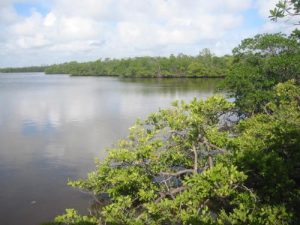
259	64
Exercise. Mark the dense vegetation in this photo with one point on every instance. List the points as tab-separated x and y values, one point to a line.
213	161
259	64
23	69
203	65
206	64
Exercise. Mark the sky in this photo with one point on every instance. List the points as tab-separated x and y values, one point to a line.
43	32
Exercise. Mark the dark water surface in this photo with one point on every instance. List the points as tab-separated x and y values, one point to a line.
52	128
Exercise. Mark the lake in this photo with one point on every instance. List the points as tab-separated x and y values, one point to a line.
52	127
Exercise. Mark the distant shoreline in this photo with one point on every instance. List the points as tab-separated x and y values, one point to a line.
126	77
204	65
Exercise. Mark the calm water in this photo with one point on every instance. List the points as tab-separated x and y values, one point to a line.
52	128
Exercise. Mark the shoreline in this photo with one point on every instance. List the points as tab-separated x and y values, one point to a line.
126	77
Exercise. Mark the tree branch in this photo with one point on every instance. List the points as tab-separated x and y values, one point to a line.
195	159
171	192
210	145
177	173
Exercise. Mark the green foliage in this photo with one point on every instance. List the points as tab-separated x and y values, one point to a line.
24	69
204	65
259	64
71	217
267	148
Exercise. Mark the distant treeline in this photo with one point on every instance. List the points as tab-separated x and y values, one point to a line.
24	69
205	64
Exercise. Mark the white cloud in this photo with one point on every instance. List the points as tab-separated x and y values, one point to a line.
27	26
90	29
7	15
36	41
265	6
50	19
76	28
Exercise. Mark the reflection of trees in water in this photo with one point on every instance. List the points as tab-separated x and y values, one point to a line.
172	85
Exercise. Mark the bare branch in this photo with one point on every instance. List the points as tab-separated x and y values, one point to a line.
210	162
195	159
210	145
181	172
171	192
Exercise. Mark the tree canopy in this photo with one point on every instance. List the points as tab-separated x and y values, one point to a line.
204	65
23	69
260	63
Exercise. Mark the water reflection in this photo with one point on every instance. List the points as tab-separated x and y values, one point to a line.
52	127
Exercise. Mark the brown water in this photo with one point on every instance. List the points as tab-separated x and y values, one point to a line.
52	127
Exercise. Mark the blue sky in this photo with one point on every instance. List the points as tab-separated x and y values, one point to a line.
26	9
35	32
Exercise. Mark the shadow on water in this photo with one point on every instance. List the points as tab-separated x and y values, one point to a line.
176	85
